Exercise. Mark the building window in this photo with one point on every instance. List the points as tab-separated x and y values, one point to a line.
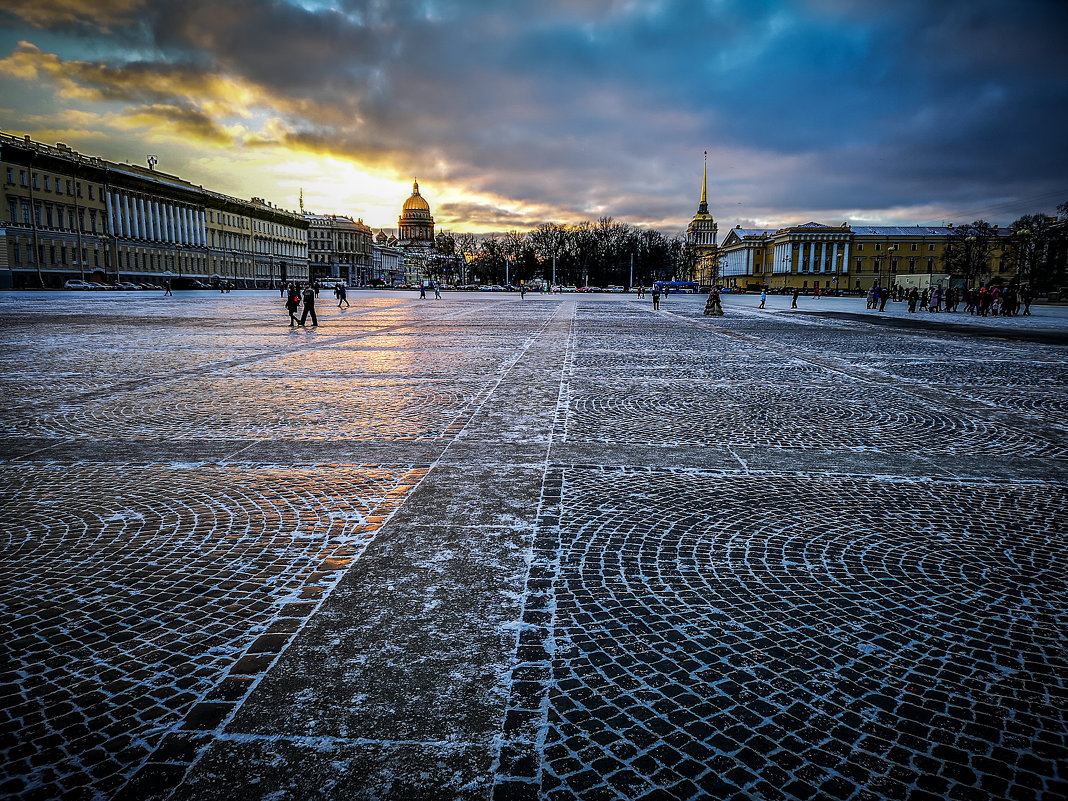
860	246
70	188
10	175
91	192
48	216
12	209
930	248
915	246
22	178
860	265
878	246
48	184
36	182
16	253
79	187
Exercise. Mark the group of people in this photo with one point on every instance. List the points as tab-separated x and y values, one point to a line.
297	295
985	301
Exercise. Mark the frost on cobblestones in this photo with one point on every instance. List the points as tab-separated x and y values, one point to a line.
555	548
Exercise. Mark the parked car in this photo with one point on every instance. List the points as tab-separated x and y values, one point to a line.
98	285
76	284
613	288
126	285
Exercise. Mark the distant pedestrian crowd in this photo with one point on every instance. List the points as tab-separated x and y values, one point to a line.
983	301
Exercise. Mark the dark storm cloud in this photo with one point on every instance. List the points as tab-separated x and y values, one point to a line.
826	104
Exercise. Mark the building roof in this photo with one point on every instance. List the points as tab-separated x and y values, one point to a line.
901	230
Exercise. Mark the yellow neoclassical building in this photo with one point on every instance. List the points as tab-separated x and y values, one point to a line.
65	215
844	257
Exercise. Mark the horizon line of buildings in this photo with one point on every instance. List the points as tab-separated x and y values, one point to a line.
844	257
65	215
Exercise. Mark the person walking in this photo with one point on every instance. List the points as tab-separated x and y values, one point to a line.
884	295
342	295
167	287
309	306
914	298
816	292
437	291
422	291
763	297
292	304
1027	295
797	293
656	297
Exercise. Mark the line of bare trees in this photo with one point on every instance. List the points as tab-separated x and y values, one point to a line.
1035	247
587	254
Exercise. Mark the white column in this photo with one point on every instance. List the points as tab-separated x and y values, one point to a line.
110	197
142	218
845	259
202	225
812	256
171	233
748	261
125	215
834	257
823	257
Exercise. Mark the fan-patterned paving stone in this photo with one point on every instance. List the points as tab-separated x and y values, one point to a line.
268	407
135	594
689	365
345	361
847	414
886	639
995	370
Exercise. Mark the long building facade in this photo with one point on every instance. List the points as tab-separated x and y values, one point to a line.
65	215
845	258
340	248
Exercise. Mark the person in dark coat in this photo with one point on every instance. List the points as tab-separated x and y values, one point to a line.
797	293
342	295
292	304
309	305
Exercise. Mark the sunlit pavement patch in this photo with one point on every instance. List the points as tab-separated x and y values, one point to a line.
555	548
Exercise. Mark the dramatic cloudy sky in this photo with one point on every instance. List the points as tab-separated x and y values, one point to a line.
515	112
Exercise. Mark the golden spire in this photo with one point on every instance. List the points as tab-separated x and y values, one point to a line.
703	208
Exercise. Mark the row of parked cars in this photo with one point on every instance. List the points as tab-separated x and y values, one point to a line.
78	284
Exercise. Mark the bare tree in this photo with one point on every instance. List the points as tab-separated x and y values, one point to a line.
967	252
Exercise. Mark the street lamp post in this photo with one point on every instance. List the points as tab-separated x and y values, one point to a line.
889	267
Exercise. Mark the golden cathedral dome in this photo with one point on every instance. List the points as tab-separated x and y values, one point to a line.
416	201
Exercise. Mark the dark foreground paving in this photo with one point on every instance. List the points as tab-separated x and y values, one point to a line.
562	548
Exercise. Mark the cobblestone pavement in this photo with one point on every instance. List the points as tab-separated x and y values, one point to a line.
553	548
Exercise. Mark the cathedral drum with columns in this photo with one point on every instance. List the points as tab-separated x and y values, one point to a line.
415	223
